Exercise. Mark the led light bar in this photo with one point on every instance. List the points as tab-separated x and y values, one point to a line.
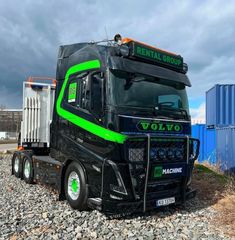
154	55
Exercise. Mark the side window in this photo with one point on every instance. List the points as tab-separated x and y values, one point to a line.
97	88
85	93
72	92
92	92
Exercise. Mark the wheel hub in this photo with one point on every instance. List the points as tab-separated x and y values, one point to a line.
16	165
73	185
27	168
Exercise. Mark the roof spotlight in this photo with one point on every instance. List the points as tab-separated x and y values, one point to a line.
118	39
124	50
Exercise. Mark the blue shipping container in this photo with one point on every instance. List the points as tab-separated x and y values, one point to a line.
207	139
225	145
220	105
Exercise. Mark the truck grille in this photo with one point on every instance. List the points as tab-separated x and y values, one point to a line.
162	150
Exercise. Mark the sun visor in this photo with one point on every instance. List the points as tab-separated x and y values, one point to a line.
127	65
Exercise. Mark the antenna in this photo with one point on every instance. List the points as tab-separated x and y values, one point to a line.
109	42
106	34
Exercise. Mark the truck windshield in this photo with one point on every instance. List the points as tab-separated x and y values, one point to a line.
137	90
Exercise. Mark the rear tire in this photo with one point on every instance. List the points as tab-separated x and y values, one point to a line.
75	186
17	165
27	169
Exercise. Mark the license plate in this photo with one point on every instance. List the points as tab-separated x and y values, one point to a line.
165	201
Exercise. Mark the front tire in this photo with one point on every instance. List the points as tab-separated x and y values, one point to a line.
28	170
75	186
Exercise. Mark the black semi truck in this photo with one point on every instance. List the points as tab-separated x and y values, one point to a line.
113	132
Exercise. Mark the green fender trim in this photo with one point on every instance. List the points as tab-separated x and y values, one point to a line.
80	122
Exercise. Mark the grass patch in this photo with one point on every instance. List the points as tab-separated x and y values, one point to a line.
203	171
218	190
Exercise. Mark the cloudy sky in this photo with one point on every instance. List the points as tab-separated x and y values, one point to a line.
203	32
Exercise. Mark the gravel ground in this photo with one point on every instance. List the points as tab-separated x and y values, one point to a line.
33	212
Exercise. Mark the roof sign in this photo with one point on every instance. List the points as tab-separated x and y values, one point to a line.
155	55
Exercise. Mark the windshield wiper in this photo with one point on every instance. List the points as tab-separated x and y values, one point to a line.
149	111
137	110
138	79
164	113
173	110
134	79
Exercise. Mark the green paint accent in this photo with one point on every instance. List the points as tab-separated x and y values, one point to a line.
155	55
81	122
74	186
157	171
72	92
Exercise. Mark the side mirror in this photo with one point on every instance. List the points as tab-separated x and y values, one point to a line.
97	96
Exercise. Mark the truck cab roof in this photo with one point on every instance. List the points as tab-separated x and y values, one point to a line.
111	57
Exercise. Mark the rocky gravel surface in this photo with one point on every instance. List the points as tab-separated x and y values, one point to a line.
33	212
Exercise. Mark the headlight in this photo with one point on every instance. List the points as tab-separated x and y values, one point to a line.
124	50
170	153
179	154
153	153
161	153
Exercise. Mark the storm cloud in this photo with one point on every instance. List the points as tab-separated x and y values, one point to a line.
202	32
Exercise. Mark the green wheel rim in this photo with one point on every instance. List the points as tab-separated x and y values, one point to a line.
73	185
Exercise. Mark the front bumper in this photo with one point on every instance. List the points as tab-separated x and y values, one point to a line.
144	179
123	208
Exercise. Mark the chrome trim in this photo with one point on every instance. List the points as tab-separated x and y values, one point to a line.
119	177
147	173
97	169
159	119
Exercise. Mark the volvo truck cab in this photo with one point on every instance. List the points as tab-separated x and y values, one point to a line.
114	132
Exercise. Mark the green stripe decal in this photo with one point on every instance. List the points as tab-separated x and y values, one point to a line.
80	122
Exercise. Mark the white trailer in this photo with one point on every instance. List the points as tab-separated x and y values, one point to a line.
38	101
3	135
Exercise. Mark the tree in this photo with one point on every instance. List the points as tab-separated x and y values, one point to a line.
2	107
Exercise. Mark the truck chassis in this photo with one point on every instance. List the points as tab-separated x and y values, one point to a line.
153	183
